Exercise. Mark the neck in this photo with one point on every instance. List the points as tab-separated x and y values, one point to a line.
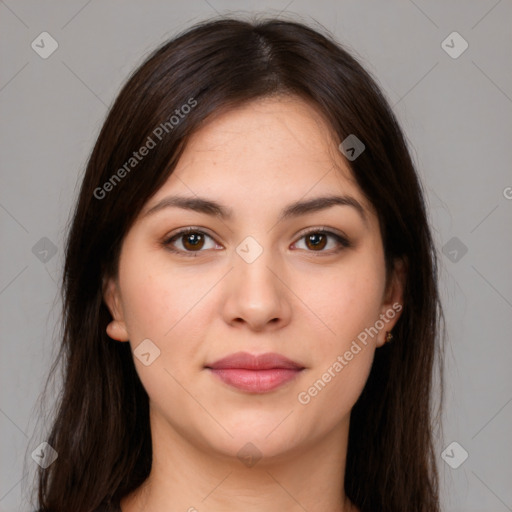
186	476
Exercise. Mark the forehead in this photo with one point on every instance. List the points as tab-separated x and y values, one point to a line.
271	150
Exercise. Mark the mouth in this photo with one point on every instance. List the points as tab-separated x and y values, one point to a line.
255	373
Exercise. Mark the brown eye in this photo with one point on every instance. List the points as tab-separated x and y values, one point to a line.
192	241
316	241
189	242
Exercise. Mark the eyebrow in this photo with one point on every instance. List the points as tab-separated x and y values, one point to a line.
295	209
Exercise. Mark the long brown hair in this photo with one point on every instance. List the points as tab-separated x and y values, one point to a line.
101	426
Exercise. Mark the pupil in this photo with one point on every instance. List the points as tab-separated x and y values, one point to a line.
314	239
193	239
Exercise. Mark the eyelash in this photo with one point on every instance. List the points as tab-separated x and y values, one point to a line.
343	241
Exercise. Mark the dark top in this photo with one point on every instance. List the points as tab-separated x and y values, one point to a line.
103	508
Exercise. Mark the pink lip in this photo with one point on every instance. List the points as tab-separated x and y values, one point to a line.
255	374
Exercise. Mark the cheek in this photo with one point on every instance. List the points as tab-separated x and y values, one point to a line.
342	356
156	295
331	390
147	305
346	300
159	306
167	305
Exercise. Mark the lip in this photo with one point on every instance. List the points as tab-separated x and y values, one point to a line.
255	373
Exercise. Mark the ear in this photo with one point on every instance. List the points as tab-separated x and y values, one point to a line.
116	329
392	304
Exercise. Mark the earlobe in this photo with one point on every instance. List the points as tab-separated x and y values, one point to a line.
117	330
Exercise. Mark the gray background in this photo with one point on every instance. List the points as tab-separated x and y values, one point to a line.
456	112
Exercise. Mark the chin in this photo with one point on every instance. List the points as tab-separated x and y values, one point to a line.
264	437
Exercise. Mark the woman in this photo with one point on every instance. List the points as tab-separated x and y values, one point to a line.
251	311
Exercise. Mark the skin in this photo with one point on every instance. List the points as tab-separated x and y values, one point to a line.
303	302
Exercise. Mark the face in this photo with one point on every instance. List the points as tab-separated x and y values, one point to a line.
255	275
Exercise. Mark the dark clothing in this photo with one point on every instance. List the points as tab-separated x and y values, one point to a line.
103	508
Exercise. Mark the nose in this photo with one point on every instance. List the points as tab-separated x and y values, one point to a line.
256	294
